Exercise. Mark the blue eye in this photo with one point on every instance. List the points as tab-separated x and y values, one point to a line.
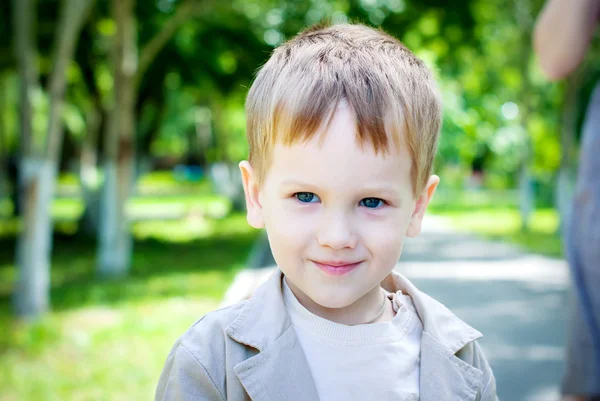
306	197
372	203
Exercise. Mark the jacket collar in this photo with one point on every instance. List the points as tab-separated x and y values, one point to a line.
441	324
264	324
443	376
279	371
263	318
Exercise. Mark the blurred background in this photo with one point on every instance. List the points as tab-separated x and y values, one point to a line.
121	208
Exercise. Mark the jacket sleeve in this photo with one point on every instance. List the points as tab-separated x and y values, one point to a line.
473	355
184	378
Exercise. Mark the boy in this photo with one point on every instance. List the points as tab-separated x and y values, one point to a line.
343	125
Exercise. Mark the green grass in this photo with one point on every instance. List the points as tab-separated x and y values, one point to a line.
70	209
6	207
97	353
108	340
154	182
168	180
181	215
504	223
452	199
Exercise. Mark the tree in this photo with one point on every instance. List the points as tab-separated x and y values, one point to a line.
115	243
38	166
4	151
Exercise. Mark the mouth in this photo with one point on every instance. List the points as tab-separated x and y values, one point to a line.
337	268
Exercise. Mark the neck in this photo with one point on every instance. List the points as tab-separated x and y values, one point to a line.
361	311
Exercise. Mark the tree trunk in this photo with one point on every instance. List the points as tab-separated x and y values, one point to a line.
31	296
3	142
115	244
23	17
23	13
39	173
89	221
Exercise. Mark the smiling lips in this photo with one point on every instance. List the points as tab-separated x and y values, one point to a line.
337	268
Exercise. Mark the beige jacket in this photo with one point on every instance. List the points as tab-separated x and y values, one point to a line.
249	351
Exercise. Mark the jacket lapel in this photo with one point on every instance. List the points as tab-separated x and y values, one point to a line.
279	371
445	377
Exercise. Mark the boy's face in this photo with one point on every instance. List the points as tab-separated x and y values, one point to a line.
331	203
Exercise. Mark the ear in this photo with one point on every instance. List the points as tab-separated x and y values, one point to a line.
416	220
251	191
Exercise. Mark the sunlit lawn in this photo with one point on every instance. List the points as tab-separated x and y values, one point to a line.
155	181
159	195
109	340
503	223
149	207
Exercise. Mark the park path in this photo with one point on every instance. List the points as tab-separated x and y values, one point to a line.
517	300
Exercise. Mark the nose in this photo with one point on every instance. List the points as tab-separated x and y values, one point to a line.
336	231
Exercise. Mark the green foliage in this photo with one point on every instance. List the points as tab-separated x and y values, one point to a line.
497	103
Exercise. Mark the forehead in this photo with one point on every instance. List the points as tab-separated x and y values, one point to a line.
334	157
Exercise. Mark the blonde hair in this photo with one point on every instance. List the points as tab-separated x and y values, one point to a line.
388	88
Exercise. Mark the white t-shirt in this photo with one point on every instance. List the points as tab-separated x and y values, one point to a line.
378	361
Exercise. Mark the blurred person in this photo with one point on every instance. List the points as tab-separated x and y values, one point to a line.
343	126
562	36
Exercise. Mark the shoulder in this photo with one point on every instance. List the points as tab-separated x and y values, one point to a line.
209	329
204	343
196	363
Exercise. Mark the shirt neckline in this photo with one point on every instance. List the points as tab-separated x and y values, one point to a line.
396	328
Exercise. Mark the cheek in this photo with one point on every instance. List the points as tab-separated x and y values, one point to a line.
287	225
290	235
385	237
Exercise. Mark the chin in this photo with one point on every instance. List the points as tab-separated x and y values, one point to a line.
327	301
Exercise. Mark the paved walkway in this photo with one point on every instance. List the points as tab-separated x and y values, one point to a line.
515	299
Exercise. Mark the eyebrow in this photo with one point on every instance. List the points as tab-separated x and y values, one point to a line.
384	190
293	183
